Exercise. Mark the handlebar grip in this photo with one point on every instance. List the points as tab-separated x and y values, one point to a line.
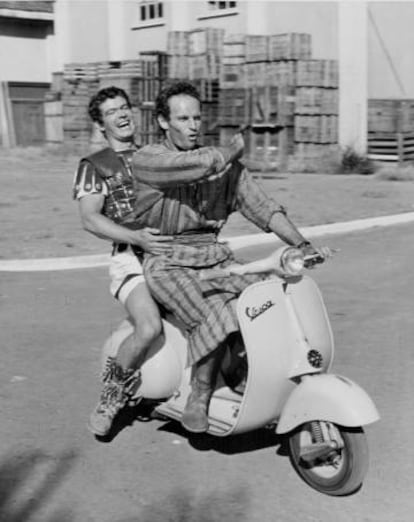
313	259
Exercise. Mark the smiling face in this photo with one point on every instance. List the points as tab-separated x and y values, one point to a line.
183	126
117	122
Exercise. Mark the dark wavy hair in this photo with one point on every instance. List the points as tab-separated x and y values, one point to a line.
94	107
162	107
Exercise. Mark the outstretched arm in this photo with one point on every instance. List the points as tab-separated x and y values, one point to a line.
161	167
263	211
253	202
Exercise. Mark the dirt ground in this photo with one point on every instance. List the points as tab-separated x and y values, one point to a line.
39	218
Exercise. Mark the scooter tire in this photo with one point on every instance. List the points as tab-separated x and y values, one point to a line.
341	476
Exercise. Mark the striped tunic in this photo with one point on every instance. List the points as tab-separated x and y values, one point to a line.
192	215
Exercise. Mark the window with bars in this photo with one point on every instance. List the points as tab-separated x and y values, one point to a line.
150	11
215	6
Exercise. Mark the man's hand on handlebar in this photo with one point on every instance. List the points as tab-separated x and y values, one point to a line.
315	255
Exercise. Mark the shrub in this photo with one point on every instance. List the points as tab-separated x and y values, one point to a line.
354	163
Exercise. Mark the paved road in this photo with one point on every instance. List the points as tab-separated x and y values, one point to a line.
52	470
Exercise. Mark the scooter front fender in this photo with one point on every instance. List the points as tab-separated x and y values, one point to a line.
327	397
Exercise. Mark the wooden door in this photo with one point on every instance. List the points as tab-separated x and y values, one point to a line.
29	122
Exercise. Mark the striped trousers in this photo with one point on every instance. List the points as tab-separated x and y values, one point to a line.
205	307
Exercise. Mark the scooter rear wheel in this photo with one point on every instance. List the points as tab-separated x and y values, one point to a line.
338	473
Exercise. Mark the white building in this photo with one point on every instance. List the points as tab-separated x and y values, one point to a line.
371	40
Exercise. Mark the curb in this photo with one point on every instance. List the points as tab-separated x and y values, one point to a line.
93	261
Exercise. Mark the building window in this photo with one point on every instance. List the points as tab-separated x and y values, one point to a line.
218	9
214	6
150	11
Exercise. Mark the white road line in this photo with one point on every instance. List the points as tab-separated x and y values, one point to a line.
92	261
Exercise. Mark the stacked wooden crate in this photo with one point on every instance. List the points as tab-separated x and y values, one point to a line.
177	46
144	90
205	47
391	130
197	56
271	63
53	110
141	78
209	92
316	107
80	82
234	98
270	83
290	99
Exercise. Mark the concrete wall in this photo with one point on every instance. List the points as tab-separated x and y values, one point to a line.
390	49
23	50
87	28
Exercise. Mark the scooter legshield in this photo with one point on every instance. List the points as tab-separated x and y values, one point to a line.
327	397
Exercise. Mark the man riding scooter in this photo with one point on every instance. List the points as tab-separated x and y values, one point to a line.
192	217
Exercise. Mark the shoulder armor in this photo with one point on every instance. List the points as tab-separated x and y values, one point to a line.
106	161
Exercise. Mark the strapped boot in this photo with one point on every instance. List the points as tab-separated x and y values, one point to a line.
119	386
195	414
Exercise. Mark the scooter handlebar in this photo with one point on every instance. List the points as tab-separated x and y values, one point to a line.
268	265
314	259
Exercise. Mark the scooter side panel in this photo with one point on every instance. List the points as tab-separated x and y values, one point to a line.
327	397
313	318
269	338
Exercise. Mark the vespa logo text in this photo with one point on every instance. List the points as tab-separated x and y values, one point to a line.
254	311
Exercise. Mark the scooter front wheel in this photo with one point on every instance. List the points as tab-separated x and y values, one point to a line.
336	464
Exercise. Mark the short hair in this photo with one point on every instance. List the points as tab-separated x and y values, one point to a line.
162	107
94	107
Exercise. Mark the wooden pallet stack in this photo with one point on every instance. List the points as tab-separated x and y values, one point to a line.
391	130
141	78
290	99
271	83
268	74
144	90
209	91
316	107
80	82
177	45
197	56
205	47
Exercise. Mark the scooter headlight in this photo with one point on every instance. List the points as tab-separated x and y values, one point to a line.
292	261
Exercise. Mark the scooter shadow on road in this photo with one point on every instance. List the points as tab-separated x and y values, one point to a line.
229	445
233	444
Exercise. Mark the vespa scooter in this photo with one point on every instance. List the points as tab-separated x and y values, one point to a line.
287	352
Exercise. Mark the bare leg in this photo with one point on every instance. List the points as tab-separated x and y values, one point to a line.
145	316
121	376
